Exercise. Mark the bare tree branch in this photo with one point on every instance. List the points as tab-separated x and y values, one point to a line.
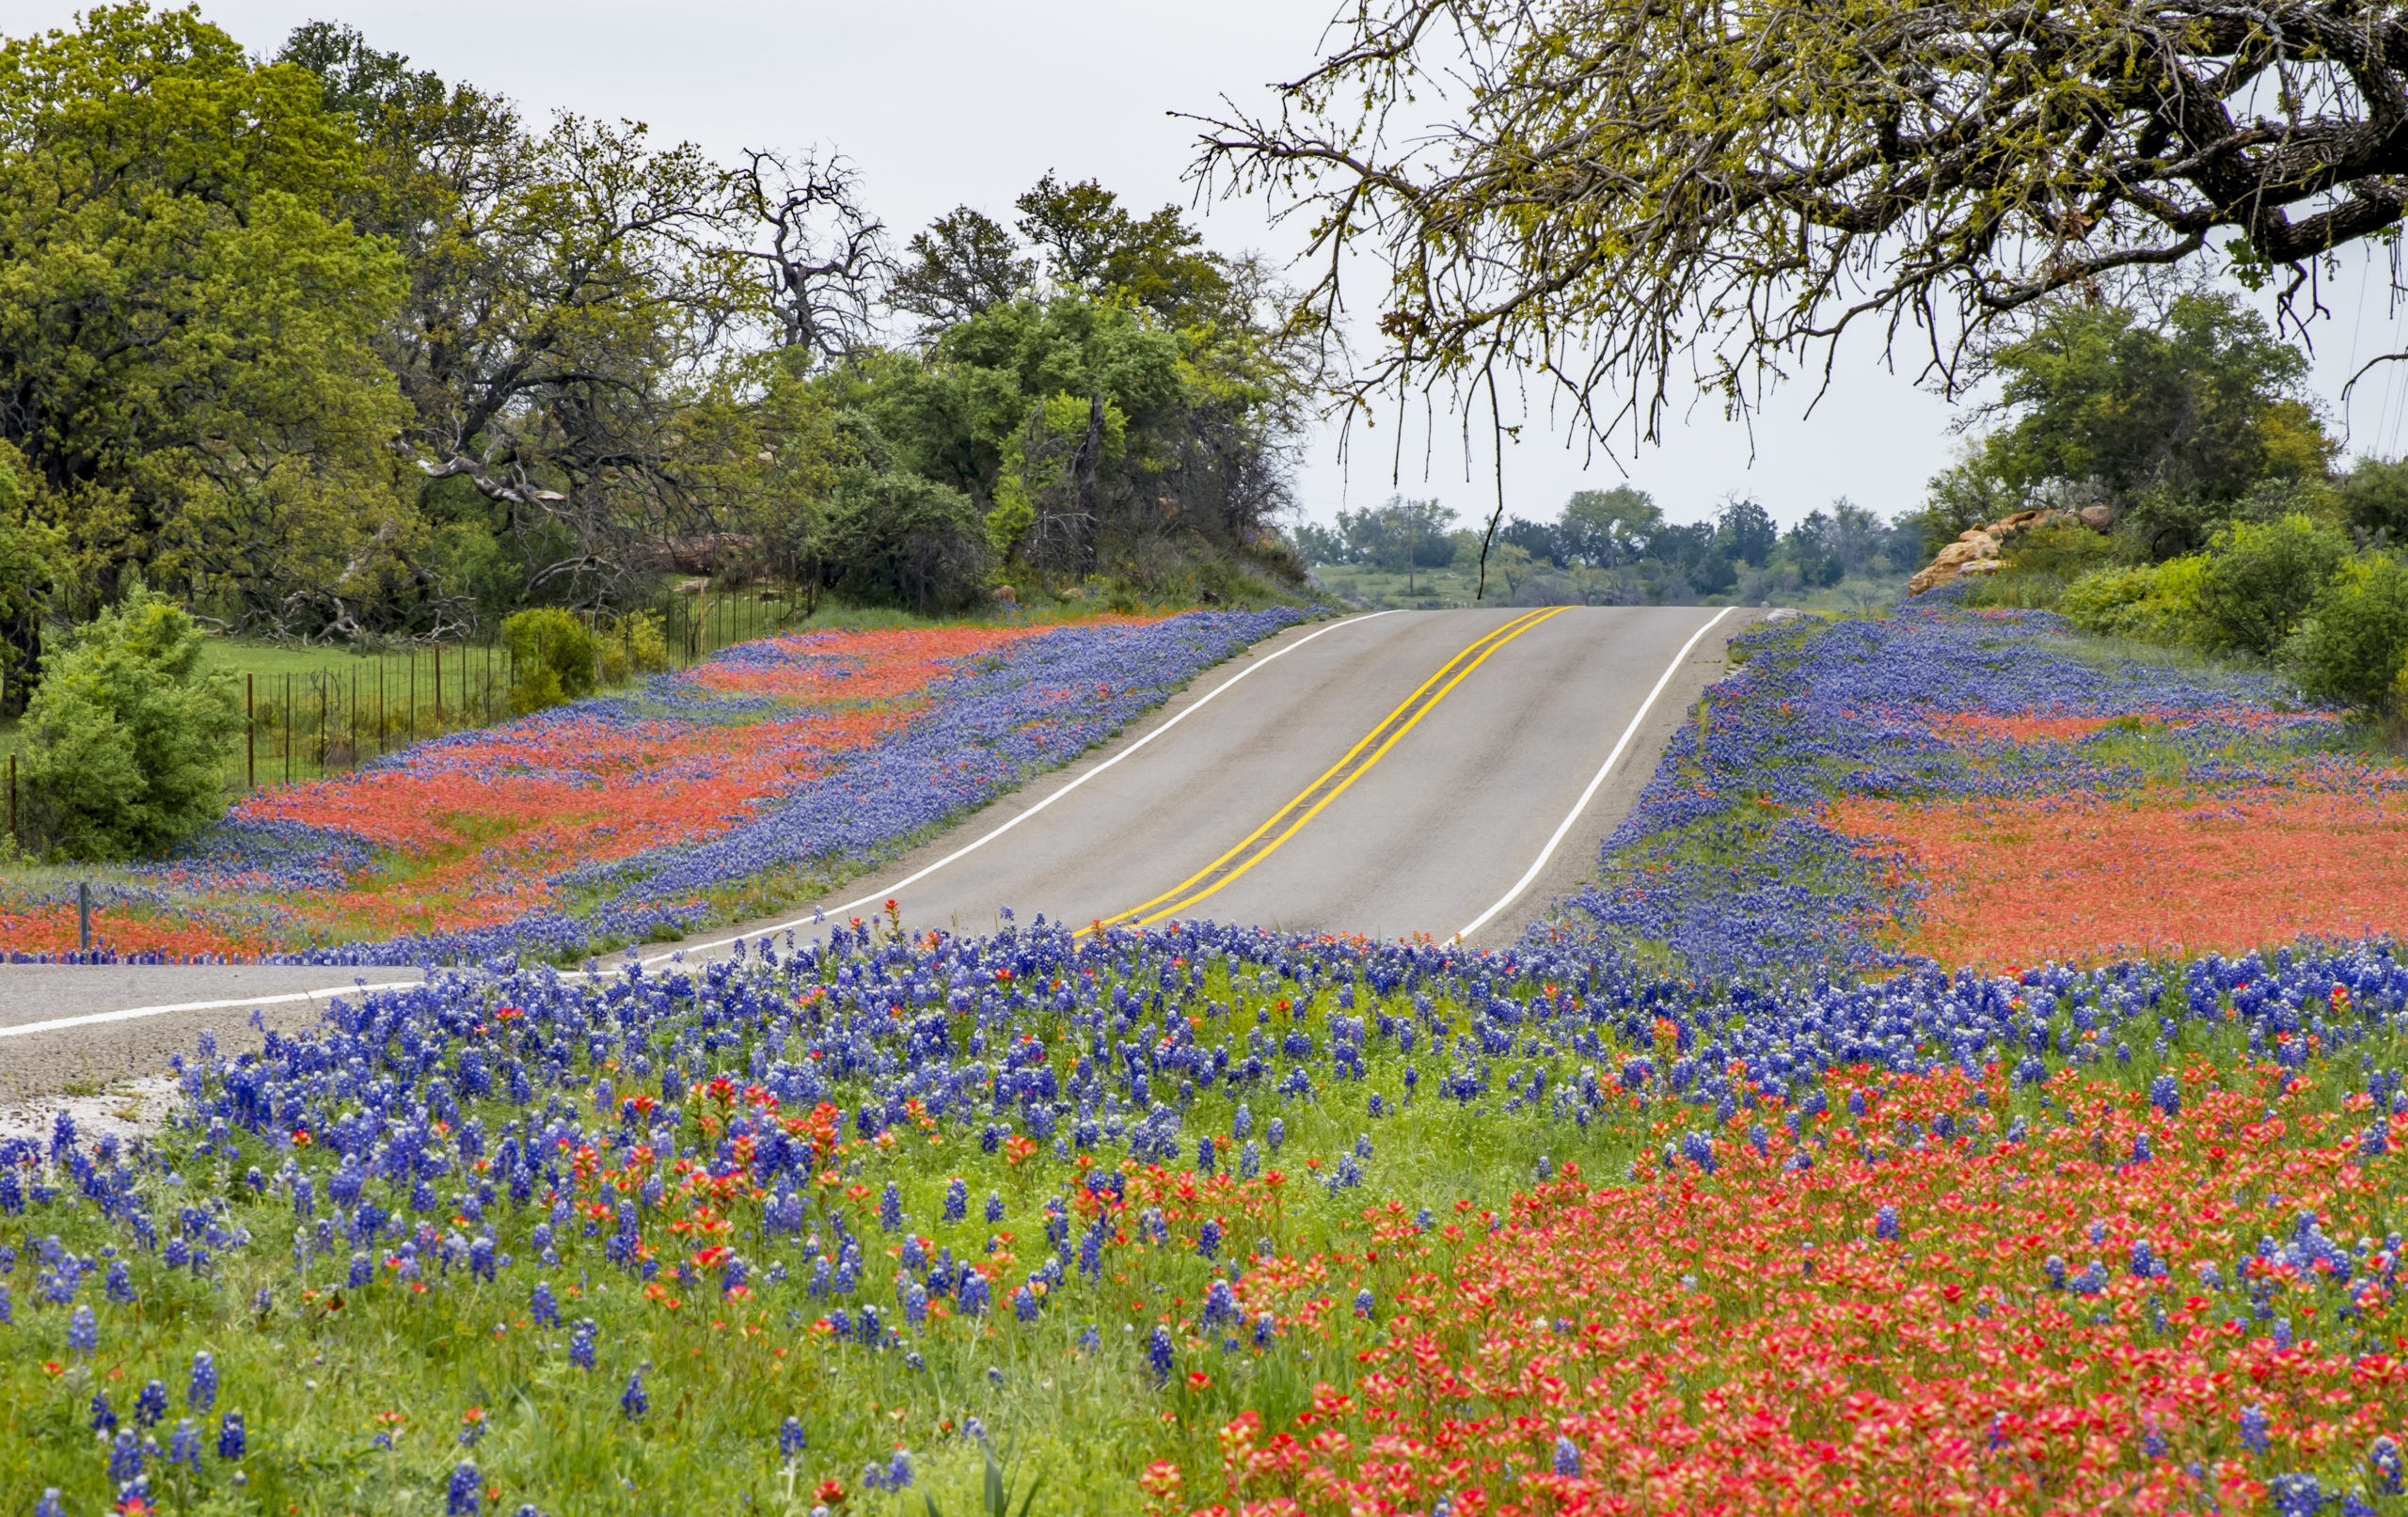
1624	186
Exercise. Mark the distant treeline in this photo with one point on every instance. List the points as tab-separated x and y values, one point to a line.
325	346
1632	553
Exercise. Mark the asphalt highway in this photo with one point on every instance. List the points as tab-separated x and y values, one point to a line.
1440	772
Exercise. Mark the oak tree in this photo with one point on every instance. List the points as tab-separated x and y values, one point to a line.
1614	187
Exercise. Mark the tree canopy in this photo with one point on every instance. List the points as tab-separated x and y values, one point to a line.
1616	187
329	346
2170	422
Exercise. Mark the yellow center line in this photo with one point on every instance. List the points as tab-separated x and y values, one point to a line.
1406	716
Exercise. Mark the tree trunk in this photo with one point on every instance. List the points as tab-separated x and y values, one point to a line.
21	661
1082	471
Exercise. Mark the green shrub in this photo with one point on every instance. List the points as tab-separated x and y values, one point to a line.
637	643
2374	494
2154	603
552	659
2262	578
2039	565
902	540
126	735
2354	649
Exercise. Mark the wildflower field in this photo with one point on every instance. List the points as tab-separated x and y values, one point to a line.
1655	1212
1990	789
773	769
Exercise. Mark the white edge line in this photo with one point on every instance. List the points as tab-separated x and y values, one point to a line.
137	1013
1586	796
879	897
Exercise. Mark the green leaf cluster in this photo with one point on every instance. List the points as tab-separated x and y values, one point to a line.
553	657
186	320
30	565
125	735
2178	425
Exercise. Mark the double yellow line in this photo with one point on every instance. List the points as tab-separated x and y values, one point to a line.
1253	848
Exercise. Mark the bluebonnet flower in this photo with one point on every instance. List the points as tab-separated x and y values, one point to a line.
957	1200
1220	1305
125	1457
120	1285
2386	1465
48	1506
1158	1356
462	1496
1885	1223
791	1440
1698	1149
995	1206
580	1344
104	1415
633	1402
2296	1496
545	1310
184	1447
83	1333
232	1439
201	1394
2253	1428
1567	1459
151	1404
1208	1238
1363	1303
2165	1094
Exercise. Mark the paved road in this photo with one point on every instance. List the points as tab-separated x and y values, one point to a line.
1386	774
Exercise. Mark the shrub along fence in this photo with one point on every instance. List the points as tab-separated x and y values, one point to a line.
306	725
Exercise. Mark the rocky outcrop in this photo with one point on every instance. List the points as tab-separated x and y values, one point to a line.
1977	550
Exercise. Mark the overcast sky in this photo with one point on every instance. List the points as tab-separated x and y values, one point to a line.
942	102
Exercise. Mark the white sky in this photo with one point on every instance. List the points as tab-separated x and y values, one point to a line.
948	101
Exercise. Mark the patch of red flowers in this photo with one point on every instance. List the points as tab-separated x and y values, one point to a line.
2081	879
1926	1318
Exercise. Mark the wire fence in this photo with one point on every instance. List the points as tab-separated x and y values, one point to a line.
307	724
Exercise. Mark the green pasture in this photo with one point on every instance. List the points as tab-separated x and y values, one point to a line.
315	711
